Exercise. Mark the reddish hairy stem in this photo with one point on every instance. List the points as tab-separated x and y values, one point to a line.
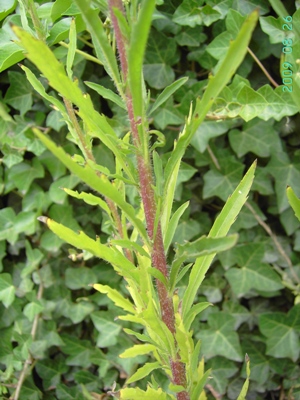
148	198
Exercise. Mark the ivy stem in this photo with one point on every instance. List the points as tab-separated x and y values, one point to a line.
30	360
148	198
274	83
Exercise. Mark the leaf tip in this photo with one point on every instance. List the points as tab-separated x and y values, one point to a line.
43	219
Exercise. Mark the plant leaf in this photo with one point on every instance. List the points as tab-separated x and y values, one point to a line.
294	201
220	228
116	297
166	93
143	372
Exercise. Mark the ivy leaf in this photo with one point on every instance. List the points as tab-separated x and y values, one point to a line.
222	184
19	94
253	103
221	370
188	13
108	331
219	46
282	333
253	274
7	222
23	174
7	290
257	136
79	311
273	28
208	130
78	350
285	173
161	54
167	115
77	278
51	371
220	339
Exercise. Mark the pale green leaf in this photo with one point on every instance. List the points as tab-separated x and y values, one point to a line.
294	201
71	49
171	229
220	228
244	391
138	350
150	394
7	290
116	297
143	372
90	177
166	93
106	94
82	241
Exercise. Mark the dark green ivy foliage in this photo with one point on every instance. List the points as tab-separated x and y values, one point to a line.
51	321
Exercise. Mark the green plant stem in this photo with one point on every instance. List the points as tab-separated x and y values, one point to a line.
148	198
31	8
275	240
82	53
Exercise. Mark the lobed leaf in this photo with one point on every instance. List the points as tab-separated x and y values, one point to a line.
82	241
116	297
90	177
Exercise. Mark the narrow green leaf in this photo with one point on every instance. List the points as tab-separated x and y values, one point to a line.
128	244
242	395
158	275
82	241
220	228
143	372
150	394
205	245
72	48
116	297
294	201
107	94
89	176
194	359
166	93
171	229
193	312
37	51
103	48
139	35
234	57
137	350
200	385
89	198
